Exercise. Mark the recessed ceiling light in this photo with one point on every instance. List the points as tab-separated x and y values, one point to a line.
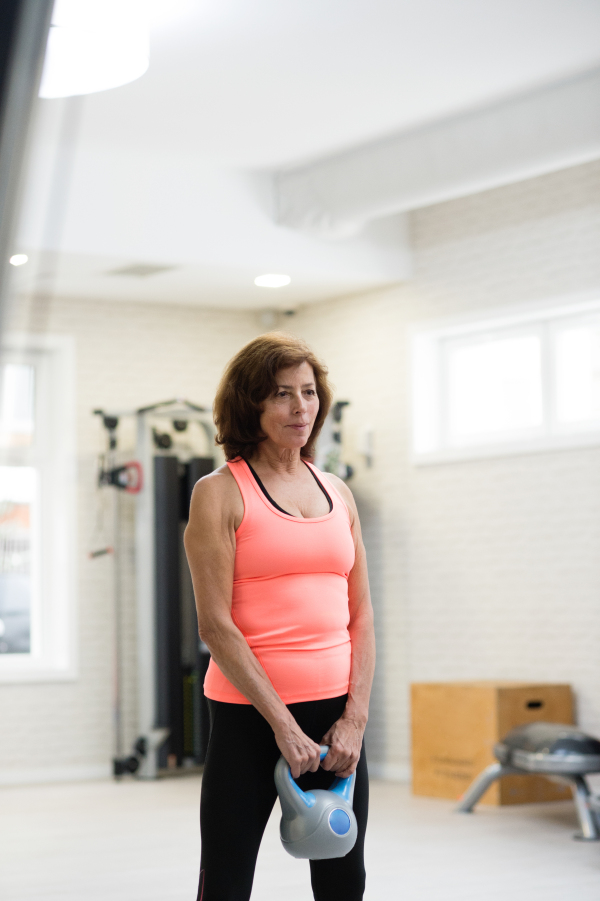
18	259
272	280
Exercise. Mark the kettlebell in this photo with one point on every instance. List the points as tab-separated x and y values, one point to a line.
317	824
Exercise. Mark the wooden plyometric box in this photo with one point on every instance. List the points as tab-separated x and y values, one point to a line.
455	726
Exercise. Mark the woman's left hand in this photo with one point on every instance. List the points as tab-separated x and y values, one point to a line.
345	741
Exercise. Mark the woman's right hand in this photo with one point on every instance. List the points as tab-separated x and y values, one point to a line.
300	751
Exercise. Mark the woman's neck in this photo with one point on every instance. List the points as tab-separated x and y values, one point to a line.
282	460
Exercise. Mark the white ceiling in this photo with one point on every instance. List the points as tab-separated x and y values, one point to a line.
173	169
268	83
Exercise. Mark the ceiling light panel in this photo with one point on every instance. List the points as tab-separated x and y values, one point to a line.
95	45
272	280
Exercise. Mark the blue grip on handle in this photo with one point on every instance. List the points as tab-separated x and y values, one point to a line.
308	797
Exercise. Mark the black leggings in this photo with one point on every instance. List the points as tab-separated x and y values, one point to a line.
238	794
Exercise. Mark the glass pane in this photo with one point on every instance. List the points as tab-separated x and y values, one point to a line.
578	374
17	405
494	387
17	496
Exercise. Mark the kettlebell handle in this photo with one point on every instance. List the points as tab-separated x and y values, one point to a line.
342	787
291	793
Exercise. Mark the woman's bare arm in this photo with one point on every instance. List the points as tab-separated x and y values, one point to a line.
345	736
210	547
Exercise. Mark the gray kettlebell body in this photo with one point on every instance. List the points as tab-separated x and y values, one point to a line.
317	824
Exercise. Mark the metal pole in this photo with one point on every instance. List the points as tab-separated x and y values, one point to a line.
118	650
481	784
587	817
146	592
25	27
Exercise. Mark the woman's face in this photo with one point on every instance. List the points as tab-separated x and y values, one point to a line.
289	414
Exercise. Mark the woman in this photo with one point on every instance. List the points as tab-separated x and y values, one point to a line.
280	580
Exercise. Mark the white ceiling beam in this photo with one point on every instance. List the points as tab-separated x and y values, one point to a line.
89	210
539	132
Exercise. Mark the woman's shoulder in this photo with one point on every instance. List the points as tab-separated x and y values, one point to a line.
217	485
217	493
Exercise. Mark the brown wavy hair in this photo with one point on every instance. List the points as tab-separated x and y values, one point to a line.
249	379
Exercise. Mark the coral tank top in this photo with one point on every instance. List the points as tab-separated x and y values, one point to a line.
290	596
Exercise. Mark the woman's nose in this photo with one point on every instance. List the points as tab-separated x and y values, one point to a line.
300	403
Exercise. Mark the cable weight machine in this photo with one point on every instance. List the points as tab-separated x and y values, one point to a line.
172	715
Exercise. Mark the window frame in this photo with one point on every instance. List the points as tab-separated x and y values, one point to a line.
429	396
53	622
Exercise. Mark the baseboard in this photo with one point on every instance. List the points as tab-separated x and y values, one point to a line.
40	775
390	772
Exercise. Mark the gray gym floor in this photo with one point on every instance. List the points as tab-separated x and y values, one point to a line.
139	842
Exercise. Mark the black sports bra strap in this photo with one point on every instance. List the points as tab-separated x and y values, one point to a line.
321	486
266	493
275	504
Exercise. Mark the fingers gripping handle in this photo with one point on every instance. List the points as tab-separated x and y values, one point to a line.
294	799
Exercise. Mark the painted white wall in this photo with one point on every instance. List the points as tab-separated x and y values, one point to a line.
480	569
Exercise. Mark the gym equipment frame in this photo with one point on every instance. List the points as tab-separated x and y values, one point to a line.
546	749
158	577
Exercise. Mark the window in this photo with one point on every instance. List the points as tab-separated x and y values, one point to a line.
577	353
522	383
18	506
36	508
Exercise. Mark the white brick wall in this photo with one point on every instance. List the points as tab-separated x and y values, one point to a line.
479	569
